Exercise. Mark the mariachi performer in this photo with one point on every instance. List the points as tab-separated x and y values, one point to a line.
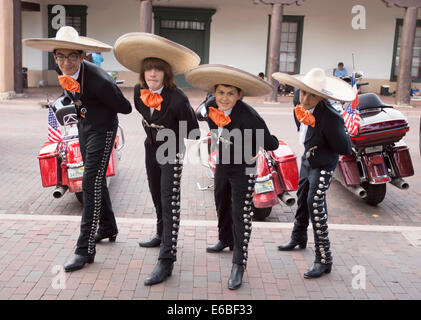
98	100
163	108
322	133
235	170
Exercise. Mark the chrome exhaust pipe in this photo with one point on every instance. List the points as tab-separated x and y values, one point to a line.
59	191
287	199
400	183
357	190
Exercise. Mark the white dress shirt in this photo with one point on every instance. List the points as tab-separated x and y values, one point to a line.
303	130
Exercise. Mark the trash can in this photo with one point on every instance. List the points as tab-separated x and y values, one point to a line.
25	77
384	90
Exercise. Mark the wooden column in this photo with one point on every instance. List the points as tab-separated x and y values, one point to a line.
146	16
274	48
6	48
17	46
405	57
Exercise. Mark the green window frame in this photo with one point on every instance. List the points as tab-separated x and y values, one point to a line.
186	17
416	60
75	17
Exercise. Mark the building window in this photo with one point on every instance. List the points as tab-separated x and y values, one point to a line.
291	43
416	60
182	25
288	51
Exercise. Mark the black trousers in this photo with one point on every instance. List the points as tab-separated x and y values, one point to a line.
311	201
233	199
164	184
96	148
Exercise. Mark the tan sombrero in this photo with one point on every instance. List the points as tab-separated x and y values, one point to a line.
206	76
132	48
67	38
317	82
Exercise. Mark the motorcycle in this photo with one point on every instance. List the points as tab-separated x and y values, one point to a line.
61	163
277	171
379	153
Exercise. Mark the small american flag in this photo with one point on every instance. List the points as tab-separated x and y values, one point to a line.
351	114
54	133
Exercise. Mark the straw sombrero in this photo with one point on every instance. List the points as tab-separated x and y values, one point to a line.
132	48
67	38
206	76
317	82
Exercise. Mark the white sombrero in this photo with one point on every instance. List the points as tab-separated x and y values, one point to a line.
206	76
132	48
67	38
317	82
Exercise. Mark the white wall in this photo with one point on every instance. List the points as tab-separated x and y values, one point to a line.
239	32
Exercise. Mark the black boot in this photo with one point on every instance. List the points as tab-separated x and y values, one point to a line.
219	246
317	270
78	262
291	244
162	271
101	236
236	277
154	242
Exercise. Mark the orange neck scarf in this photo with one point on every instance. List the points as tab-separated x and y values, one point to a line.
219	117
69	84
304	116
150	99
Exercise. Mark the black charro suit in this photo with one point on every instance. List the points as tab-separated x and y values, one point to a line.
101	100
322	145
164	175
234	185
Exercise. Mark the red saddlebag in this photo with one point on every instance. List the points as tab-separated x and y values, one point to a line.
48	164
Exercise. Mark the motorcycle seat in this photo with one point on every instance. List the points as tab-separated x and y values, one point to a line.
371	101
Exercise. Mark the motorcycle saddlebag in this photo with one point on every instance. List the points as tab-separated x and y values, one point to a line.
48	164
287	165
403	161
349	169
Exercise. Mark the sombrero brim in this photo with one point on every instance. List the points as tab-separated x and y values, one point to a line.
205	77
84	43
335	88
132	48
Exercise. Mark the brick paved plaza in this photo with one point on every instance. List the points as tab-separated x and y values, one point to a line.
38	233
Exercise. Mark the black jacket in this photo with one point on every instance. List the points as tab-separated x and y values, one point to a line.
244	118
101	98
327	140
175	108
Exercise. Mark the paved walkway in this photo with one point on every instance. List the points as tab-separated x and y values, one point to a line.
38	233
370	262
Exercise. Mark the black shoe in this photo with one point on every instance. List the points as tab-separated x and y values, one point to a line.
236	277
219	246
78	262
99	236
154	242
162	271
291	244
317	270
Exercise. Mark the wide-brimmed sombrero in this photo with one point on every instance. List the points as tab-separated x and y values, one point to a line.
132	48
317	82
206	76
67	38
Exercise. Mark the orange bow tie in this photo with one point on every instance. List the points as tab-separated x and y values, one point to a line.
305	116
219	117
69	84
150	99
